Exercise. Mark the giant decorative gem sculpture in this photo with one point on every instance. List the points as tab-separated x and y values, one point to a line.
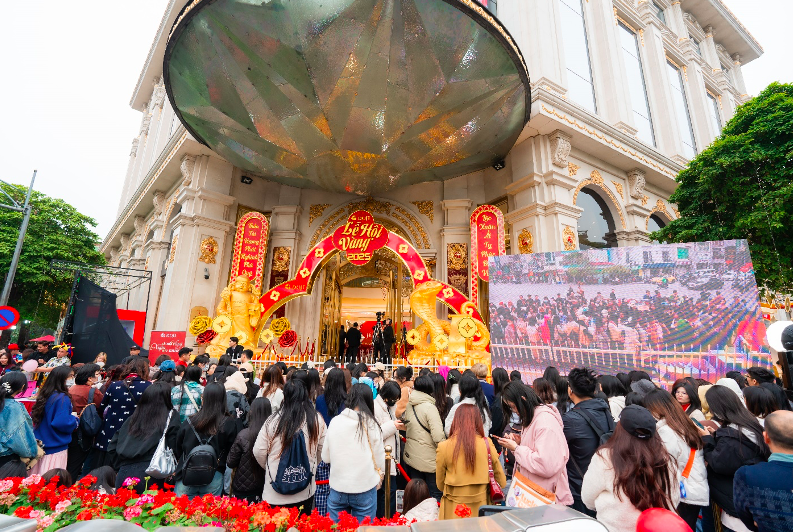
349	95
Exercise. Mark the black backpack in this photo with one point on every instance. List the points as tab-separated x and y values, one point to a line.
201	462
90	420
603	437
294	470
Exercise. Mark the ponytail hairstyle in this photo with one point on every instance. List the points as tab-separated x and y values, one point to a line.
361	400
11	384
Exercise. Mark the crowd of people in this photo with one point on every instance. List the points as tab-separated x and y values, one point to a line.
656	321
610	446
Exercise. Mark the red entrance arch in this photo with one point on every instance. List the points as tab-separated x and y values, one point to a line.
303	281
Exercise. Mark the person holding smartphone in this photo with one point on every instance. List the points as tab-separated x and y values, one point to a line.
540	450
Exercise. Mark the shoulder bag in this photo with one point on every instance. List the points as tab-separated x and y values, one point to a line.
163	463
496	493
377	469
415	415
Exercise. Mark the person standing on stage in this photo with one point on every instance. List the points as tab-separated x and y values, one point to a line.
378	346
388	341
235	349
353	343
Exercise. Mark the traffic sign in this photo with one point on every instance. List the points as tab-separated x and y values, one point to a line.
8	317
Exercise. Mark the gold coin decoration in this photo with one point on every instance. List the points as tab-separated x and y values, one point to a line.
467	327
199	325
267	336
441	341
221	324
241	336
413	337
279	326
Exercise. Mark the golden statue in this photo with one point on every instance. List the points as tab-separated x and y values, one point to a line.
440	341
239	302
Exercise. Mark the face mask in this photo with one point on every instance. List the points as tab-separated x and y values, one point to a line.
69	383
100	364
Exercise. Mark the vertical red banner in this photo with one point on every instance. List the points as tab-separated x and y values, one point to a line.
487	239
250	248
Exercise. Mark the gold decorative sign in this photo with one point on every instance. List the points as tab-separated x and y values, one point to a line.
568	238
525	242
209	249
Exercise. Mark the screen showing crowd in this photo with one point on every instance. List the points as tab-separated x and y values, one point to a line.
672	310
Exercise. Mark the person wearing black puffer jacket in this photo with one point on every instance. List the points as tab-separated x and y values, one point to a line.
248	477
582	439
738	442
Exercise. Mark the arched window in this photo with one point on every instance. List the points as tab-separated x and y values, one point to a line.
596	225
655	223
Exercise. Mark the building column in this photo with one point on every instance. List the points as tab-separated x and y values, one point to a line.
675	20
156	253
708	48
740	84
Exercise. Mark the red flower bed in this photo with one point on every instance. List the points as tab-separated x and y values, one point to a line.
56	507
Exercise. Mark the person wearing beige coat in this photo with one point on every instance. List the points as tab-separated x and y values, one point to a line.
424	431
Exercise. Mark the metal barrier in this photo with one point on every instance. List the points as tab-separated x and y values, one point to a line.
17	524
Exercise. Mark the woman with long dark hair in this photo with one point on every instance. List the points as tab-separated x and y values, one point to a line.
299	422
471	394
686	394
442	401
329	405
544	391
540	450
738	442
563	402
453	384
273	386
219	375
760	402
384	406
615	393
105	480
186	398
551	374
20	441
314	384
54	420
424	430
684	445
354	449
6	362
119	403
134	444
462	464
631	473
248	480
212	425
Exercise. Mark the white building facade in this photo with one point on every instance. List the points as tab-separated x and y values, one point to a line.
623	95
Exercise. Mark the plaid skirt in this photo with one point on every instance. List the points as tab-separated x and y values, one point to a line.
323	488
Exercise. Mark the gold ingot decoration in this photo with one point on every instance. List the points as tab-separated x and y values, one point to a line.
441	341
279	326
199	324
209	249
267	336
456	349
467	327
221	324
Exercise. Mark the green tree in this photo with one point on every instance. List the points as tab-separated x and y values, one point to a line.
741	186
56	231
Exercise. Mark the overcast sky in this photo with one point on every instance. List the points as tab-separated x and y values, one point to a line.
70	68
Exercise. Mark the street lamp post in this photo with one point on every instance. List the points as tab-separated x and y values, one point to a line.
25	209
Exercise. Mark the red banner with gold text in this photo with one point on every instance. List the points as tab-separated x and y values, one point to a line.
250	248
487	239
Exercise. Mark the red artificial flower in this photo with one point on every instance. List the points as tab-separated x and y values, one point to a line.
206	337
288	339
23	512
462	511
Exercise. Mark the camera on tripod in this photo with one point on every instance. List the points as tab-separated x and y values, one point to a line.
379	316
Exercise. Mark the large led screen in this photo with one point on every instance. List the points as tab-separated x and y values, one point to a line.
672	310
